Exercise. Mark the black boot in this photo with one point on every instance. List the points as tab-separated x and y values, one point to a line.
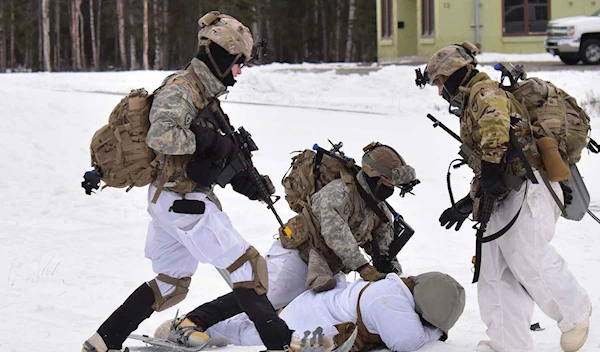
213	312
273	331
124	320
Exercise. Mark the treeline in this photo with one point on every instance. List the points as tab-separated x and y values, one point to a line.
80	35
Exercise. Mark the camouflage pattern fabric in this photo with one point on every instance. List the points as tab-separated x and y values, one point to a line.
227	32
332	206
485	121
448	60
174	108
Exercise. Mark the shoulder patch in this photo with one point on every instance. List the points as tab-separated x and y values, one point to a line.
188	119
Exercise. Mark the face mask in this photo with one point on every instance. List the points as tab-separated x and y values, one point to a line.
380	191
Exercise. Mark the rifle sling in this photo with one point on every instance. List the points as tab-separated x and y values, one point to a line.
371	203
521	155
480	239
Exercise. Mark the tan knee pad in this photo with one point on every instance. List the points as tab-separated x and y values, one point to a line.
260	282
181	290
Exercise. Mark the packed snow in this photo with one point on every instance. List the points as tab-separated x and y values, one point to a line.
68	260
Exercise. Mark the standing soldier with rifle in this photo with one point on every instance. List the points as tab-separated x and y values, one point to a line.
519	267
194	137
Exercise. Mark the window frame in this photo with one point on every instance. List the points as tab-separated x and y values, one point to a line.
387	20
428	19
526	32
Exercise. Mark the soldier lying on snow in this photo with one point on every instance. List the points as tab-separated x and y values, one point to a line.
402	314
347	213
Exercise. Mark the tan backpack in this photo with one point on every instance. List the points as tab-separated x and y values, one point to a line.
554	113
299	185
299	181
119	149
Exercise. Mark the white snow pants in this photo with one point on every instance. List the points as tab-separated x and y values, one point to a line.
176	243
287	275
521	268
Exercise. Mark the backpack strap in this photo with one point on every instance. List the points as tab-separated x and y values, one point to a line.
201	88
365	340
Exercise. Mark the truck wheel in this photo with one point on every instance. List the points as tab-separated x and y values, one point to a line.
569	60
590	52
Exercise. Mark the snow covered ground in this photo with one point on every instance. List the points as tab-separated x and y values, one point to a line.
67	260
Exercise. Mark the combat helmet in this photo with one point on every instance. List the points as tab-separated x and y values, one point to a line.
228	33
450	59
383	161
439	299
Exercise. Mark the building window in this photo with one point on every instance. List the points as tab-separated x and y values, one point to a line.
427	19
525	17
387	19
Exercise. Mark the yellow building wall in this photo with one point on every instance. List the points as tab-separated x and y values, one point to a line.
454	22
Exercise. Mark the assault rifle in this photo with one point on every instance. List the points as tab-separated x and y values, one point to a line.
486	207
243	159
402	231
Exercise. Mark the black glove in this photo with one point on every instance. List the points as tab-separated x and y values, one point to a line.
491	179
215	145
457	214
242	184
203	171
567	193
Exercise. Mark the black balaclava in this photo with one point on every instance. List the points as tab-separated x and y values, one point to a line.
459	78
380	191
223	59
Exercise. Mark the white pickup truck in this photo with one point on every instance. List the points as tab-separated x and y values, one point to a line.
575	39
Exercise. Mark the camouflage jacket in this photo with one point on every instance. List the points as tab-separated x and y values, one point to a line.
486	121
332	206
176	103
174	108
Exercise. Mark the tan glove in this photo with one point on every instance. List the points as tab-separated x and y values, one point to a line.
369	273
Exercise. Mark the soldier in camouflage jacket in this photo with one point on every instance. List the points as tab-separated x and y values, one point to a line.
520	267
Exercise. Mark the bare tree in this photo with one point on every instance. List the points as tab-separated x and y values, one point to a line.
95	57
133	63
46	34
121	25
82	38
145	37
12	35
75	38
350	32
2	40
98	36
57	35
157	36
323	16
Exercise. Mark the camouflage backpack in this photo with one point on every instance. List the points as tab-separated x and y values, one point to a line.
300	182
119	151
554	113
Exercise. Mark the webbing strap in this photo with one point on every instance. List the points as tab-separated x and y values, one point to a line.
521	155
371	203
250	253
546	180
317	168
480	239
198	82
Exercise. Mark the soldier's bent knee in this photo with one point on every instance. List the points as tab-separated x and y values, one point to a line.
181	290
